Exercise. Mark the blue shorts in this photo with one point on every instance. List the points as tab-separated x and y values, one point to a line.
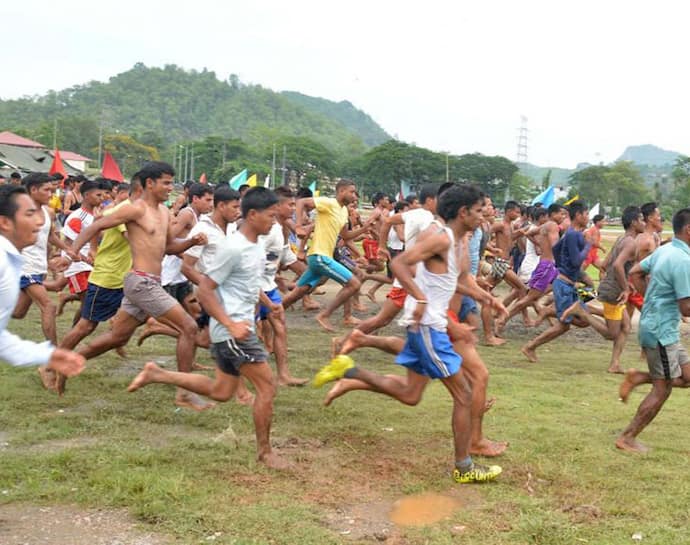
101	304
467	307
429	352
319	266
27	280
564	295
274	296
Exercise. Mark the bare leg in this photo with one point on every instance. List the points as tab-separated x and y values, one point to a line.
280	344
357	339
646	412
556	330
80	331
39	295
487	325
461	393
408	391
530	298
347	291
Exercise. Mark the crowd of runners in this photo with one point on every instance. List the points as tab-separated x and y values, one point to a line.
217	269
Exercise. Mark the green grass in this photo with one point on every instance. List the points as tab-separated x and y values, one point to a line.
563	480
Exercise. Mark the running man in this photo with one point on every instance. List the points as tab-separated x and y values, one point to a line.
663	278
229	292
593	236
428	353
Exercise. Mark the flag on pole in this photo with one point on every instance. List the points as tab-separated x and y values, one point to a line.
238	180
251	181
593	211
546	197
404	189
312	187
571	201
203	179
57	167
267	181
110	169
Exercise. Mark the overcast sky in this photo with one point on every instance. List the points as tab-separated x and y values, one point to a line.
591	77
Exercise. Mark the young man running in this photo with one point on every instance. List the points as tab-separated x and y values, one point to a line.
593	236
229	292
428	353
664	280
148	228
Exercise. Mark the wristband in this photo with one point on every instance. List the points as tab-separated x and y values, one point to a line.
422	302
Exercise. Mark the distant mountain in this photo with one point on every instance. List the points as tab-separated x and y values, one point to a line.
648	154
356	121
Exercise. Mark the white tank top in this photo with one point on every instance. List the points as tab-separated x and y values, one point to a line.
171	270
437	288
36	255
529	262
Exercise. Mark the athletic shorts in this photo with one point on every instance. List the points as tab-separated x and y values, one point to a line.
371	248
499	268
230	355
467	307
543	276
591	258
180	291
319	266
665	362
79	282
394	254
343	256
564	295
613	312
27	280
203	320
398	296
429	352
144	297
274	296
101	304
636	299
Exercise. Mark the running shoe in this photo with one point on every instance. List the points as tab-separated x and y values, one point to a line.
334	370
478	474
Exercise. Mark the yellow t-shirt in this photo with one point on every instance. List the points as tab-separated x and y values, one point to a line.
114	257
330	220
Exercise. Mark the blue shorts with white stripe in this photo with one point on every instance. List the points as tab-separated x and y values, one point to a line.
429	352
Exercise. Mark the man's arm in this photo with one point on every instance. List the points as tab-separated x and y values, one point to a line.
576	256
189	269
626	254
638	277
307	203
386	224
347	234
181	222
124	214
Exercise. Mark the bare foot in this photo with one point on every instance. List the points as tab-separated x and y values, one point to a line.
351	321
615	369
529	323
489	403
196	366
628	385
338	389
631	445
319	291
145	334
352	341
359	307
146	376
273	461
488	448
48	378
292	381
499	324
336	345
494	341
529	353
323	322
62	301
372	297
120	351
190	400
572	310
246	399
60	384
309	304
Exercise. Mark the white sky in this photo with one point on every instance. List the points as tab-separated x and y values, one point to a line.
592	77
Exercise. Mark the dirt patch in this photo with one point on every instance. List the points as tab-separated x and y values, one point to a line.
61	525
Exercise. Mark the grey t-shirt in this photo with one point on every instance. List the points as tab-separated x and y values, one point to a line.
237	270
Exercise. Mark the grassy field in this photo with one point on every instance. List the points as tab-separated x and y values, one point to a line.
184	475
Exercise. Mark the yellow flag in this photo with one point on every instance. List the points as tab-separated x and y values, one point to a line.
317	193
251	181
571	201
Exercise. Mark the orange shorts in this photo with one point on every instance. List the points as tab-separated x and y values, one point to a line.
636	299
371	248
79	282
398	296
452	317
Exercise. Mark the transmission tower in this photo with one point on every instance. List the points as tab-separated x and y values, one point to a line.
522	141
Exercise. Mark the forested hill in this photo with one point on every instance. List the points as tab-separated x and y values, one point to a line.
649	155
355	120
171	105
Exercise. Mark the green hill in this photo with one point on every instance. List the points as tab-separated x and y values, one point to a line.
162	106
649	155
559	176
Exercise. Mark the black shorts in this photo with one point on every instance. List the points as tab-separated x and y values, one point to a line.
230	355
203	320
101	304
394	254
179	291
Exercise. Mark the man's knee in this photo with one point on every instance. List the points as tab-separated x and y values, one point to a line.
189	327
354	283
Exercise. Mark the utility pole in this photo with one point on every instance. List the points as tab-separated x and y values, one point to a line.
522	141
55	134
191	170
273	166
284	169
447	166
186	163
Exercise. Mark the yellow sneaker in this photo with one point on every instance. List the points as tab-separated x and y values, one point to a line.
478	474
334	370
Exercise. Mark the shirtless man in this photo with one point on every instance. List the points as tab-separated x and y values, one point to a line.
544	236
646	242
593	236
149	231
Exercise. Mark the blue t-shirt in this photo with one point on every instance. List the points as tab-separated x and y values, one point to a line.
669	267
474	247
569	252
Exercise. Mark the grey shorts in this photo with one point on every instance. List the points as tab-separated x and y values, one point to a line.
499	268
144	297
230	355
664	362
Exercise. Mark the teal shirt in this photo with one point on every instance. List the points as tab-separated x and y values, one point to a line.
669	267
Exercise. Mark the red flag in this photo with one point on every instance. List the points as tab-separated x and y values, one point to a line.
203	179
110	169
57	167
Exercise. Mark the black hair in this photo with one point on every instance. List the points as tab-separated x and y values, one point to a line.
680	220
597	218
553	209
284	192
400	206
89	185
343	183
154	170
15	175
411	198
304	193
510	205
454	198
538	212
575	208
524	210
428	191
188	184
444	187
259	199
630	214
199	190
244	187
8	199
36	179
376	197
225	193
124	186
647	209
104	184
57	177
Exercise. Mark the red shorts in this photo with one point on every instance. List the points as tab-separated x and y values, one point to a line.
636	299
452	317
591	258
79	282
371	248
398	296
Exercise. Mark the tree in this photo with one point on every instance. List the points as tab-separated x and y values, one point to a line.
129	153
546	180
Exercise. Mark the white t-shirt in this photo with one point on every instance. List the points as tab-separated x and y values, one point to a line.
394	242
274	244
415	222
206	254
236	269
75	223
